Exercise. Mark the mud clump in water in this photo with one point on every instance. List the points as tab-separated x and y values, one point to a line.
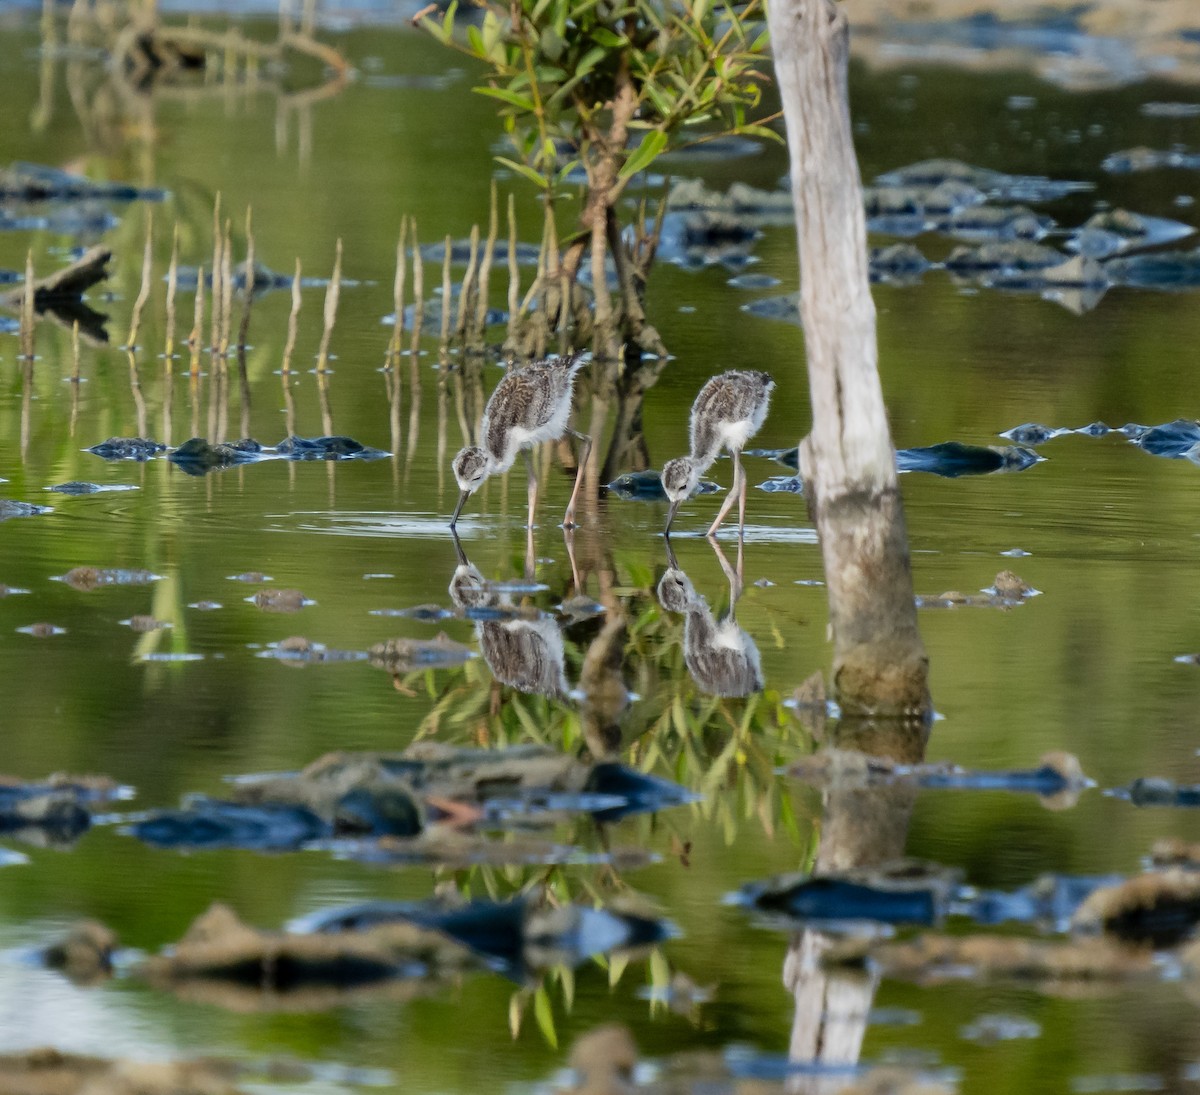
934	959
281	600
400	656
222	960
84	954
87	578
1160	908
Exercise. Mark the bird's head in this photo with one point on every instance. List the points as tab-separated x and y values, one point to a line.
680	478
470	468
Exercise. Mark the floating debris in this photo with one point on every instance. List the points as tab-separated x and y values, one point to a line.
77	487
1160	908
526	254
753	281
251	577
86	578
21	509
10	591
1057	774
1156	791
56	810
1032	433
405	655
998	224
990	1029
187	278
904	892
172	656
127	448
1174	439
1095	429
1007	590
757	207
424	613
280	600
297	650
698	239
32	182
42	630
1135	160
1113	230
898	264
145	624
206	606
997	258
994	184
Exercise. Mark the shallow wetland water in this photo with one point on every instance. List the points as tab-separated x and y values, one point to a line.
1094	665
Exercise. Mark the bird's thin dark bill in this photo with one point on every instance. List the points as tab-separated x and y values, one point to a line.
671	514
462	501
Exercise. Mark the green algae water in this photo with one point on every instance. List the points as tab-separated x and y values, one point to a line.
1105	531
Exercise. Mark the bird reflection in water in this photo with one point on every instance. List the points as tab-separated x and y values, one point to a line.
523	650
721	657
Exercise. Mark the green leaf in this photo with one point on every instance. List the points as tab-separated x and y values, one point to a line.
763	131
551	43
506	96
448	21
475	41
545	1016
523	170
602	36
589	61
645	154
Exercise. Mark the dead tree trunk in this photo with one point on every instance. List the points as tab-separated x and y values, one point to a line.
847	461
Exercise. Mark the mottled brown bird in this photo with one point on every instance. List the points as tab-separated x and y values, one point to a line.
531	404
729	411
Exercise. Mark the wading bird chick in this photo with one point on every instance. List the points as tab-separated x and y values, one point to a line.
531	404
728	412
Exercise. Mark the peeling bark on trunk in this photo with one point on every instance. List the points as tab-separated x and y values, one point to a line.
847	462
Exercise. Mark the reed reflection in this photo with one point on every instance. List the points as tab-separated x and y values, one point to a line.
720	655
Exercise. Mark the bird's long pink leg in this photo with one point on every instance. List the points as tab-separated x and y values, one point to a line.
729	498
580	468
533	485
741	501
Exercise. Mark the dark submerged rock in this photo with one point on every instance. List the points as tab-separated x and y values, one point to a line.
899	893
646	486
196	456
1160	270
952	459
326	448
10	509
1174	439
207	823
127	448
990	258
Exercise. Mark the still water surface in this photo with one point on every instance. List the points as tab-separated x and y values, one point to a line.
1108	533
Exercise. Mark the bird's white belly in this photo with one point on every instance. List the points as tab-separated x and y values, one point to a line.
554	427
